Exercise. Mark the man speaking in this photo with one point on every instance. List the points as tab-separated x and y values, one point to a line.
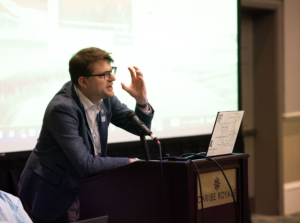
73	139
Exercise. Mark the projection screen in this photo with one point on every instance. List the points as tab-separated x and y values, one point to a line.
187	51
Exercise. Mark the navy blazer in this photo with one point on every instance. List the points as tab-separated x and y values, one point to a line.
65	152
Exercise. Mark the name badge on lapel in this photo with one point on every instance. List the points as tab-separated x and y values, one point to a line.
102	117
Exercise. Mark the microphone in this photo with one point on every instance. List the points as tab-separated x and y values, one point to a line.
135	120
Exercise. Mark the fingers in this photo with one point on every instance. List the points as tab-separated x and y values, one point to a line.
132	74
137	72
132	160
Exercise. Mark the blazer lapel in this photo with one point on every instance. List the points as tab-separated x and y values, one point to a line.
103	126
88	130
74	95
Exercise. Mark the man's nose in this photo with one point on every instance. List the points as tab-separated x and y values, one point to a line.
112	77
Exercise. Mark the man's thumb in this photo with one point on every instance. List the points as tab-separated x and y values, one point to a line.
124	87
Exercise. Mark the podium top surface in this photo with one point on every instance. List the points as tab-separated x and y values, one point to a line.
169	164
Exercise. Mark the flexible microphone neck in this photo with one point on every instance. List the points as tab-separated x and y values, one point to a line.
132	117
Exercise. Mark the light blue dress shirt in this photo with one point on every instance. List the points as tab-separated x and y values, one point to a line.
11	209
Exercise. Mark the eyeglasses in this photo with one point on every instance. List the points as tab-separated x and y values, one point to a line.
106	74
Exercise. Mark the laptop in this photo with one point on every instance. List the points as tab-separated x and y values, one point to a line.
102	219
224	133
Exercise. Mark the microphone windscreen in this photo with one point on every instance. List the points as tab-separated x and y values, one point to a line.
130	115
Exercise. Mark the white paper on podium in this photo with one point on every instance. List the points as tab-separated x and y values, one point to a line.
225	132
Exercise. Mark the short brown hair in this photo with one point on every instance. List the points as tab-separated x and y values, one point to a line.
82	62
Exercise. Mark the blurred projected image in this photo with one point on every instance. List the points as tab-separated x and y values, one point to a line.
188	54
26	73
96	14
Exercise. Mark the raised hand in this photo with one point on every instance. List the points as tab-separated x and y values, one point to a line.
137	88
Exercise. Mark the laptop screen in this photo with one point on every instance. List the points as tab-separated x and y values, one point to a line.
224	133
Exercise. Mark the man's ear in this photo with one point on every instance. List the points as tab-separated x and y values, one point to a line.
82	82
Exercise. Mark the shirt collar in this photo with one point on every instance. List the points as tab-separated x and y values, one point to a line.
84	100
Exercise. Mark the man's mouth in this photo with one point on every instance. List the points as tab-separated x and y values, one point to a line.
110	88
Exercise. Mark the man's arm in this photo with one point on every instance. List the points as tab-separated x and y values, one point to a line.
67	126
119	118
137	88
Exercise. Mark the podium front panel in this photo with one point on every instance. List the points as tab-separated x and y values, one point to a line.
133	193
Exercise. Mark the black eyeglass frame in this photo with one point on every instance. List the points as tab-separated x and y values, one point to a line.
113	71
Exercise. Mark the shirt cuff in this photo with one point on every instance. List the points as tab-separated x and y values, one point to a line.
147	112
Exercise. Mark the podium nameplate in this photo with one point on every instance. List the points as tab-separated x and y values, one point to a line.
215	190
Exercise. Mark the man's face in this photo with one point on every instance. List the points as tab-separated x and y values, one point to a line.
97	87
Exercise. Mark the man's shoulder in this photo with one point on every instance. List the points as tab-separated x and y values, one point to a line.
111	101
66	91
65	98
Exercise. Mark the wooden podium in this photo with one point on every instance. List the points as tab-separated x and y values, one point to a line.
133	193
